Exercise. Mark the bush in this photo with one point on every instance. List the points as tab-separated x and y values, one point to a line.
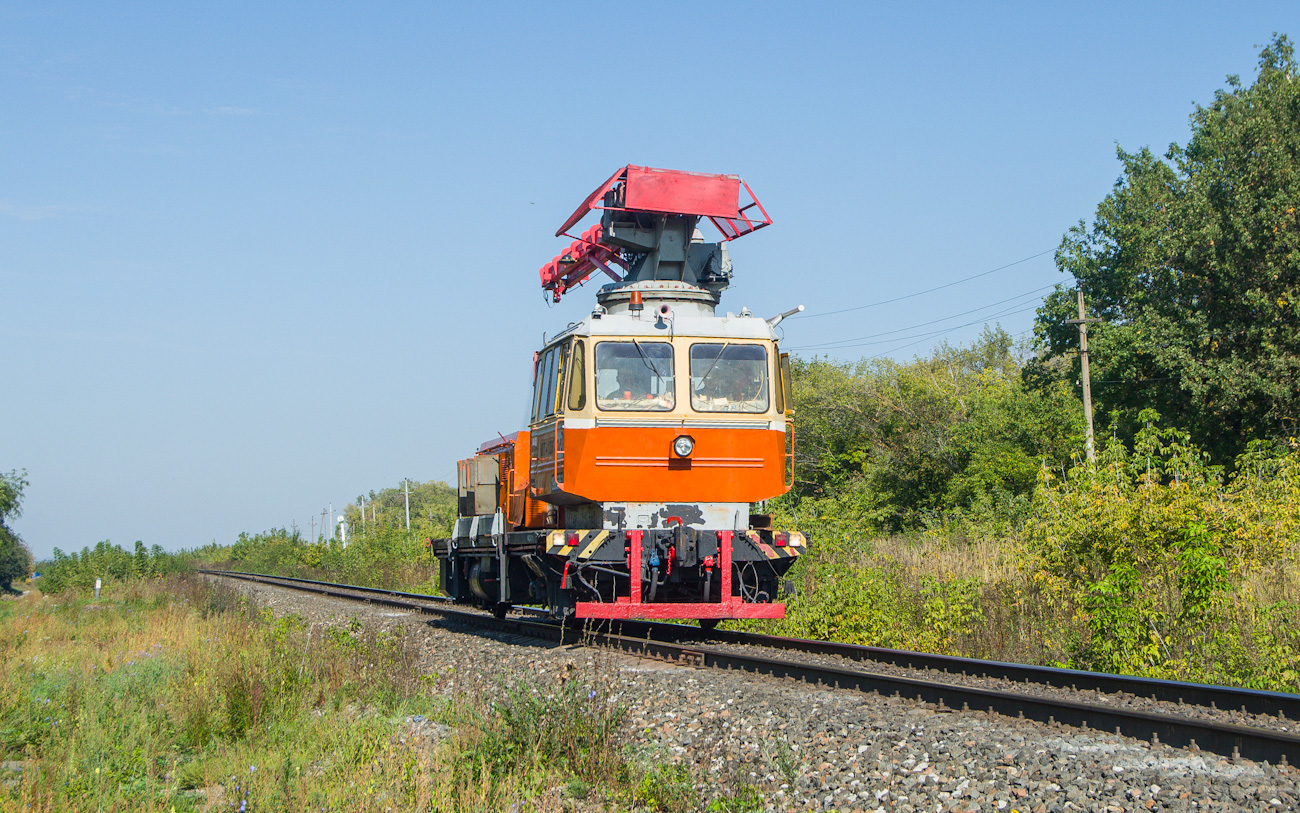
1171	567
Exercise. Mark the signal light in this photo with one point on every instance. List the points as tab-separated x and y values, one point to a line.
634	302
683	446
571	538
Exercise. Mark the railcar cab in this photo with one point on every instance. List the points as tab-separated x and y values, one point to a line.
669	410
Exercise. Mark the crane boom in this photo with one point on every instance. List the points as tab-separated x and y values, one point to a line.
647	230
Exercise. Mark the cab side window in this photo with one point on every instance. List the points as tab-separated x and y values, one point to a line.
539	377
578	378
549	367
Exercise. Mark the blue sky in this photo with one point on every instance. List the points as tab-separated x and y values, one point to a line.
255	259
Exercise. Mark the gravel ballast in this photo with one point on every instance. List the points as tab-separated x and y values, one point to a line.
805	748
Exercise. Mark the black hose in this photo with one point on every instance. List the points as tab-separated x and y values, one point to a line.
595	592
654	583
750	596
608	570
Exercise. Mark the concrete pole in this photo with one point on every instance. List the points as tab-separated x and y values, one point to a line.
1082	322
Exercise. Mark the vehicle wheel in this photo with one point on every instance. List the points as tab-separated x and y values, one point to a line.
707	624
499	610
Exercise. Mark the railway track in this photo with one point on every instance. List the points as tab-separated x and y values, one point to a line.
1185	715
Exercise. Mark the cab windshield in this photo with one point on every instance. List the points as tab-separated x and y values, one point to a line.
729	378
635	376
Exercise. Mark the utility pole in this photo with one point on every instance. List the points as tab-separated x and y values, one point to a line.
324	522
1082	322
313	529
407	485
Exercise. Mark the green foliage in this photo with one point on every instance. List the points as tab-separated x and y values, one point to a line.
12	484
432	510
856	594
571	727
1159	562
745	799
107	562
956	439
138	702
667	788
1193	263
15	559
379	552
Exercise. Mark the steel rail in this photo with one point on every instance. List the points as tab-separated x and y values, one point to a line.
1260	744
1252	701
376	591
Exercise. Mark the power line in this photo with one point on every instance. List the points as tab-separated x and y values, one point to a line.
1013	310
931	322
926	291
920	337
937	334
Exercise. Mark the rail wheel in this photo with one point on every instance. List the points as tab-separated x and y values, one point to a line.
708	624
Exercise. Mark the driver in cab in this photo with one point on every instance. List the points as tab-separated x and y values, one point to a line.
634	390
728	389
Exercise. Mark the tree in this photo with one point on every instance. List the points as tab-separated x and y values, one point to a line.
15	560
1193	263
899	446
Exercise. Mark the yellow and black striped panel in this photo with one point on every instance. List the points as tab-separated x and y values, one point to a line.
796	546
588	543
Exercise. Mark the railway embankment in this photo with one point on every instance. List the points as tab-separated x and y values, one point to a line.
752	742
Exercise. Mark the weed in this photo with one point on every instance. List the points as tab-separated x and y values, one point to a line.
746	799
667	788
783	759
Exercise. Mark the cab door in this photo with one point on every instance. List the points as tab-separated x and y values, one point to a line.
546	467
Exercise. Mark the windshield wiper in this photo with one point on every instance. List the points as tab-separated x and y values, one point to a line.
646	359
709	371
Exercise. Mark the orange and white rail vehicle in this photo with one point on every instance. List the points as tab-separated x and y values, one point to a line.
656	426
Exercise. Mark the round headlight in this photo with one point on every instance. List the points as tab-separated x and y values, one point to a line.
683	446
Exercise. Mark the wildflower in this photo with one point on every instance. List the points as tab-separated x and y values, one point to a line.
592	694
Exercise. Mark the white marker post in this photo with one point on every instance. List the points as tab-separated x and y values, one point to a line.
98	584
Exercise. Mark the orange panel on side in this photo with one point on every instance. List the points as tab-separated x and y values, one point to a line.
637	464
